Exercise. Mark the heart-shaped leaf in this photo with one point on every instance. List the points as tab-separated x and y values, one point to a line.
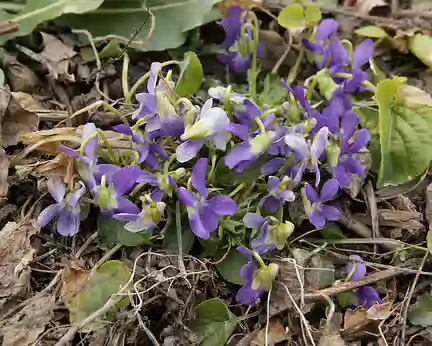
191	75
405	125
107	280
214	322
421	46
230	267
420	314
292	17
38	11
112	232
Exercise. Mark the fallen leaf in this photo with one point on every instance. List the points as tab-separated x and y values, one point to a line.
4	172
57	57
330	331
288	279
380	312
19	76
74	280
366	6
225	5
16	252
355	319
27	101
276	333
26	326
15	121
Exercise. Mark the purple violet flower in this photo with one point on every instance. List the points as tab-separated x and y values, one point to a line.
273	233
155	105
277	197
238	54
363	53
246	294
88	167
328	49
367	296
67	209
204	214
348	164
315	204
146	149
144	220
109	195
307	153
338	116
211	126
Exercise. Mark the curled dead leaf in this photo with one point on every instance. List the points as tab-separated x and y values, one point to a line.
56	57
74	280
16	252
26	326
330	331
276	333
245	4
15	121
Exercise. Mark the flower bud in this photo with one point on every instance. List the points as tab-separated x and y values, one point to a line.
333	152
279	234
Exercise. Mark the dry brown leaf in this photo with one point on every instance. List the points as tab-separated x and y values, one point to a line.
4	172
291	277
16	252
57	57
245	4
20	77
27	101
60	167
355	319
382	311
26	326
74	279
366	6
15	121
330	331
276	333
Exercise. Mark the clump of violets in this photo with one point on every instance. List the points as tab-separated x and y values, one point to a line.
231	163
366	296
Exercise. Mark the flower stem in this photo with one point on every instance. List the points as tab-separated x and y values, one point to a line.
125	75
260	125
258	259
135	87
237	190
253	72
294	70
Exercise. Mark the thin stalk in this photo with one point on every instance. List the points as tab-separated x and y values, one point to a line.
125	75
295	69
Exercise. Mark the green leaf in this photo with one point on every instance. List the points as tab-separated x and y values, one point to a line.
420	314
191	75
421	46
173	19
292	17
109	279
369	119
112	231
111	50
274	92
405	126
371	31
38	11
313	14
332	232
214	322
230	267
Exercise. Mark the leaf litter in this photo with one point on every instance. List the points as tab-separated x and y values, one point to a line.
161	299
